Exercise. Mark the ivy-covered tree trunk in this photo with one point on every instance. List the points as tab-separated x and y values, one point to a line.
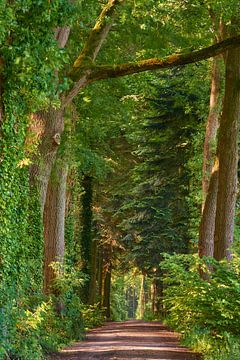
228	158
54	223
86	234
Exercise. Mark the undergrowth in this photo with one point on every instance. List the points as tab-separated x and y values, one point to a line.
38	325
206	312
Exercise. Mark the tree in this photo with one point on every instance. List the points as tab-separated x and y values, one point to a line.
84	72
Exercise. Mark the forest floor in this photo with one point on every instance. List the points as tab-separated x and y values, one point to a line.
130	340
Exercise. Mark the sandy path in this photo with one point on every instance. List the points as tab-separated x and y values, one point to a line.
134	340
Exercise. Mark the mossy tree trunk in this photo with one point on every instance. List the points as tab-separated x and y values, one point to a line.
228	158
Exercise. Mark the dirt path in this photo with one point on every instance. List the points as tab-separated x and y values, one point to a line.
133	340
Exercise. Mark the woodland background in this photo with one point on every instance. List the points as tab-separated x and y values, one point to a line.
119	166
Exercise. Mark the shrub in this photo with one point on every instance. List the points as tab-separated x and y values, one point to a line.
206	312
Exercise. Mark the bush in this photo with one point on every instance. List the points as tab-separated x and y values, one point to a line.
93	315
206	312
35	325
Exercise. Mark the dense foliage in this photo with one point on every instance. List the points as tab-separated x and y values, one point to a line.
131	149
210	307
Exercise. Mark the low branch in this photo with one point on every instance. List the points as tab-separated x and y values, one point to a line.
112	71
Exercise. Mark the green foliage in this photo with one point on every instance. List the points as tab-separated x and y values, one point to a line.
119	306
29	57
211	307
160	216
93	315
33	325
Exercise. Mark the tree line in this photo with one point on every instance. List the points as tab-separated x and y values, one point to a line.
77	199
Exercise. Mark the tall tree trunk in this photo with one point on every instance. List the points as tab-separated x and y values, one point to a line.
93	280
142	298
52	125
107	291
100	274
210	145
54	221
52	122
228	158
154	296
210	172
86	234
207	225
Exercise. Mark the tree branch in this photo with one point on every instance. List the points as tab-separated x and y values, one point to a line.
92	47
112	71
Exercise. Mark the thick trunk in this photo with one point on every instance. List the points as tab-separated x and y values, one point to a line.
53	125
54	220
210	172
207	225
49	124
228	158
209	150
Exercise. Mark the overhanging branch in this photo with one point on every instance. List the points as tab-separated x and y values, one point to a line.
112	71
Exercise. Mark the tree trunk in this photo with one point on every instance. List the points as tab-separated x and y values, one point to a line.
209	150
100	274
142	297
53	125
54	221
210	183
207	225
228	158
154	296
49	124
107	292
93	280
86	234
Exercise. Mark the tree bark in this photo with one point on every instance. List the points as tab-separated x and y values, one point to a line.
53	126
210	172
207	225
228	158
54	220
212	125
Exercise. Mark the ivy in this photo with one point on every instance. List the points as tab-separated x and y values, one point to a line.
30	58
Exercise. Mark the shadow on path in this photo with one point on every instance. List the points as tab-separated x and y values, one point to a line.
133	340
